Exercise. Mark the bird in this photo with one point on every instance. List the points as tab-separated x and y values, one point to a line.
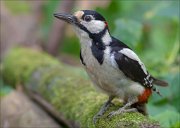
113	67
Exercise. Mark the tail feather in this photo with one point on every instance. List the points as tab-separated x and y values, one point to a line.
159	82
156	90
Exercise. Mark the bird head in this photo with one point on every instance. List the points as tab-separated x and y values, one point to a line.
87	23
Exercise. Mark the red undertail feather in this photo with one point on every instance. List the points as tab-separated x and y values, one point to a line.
143	98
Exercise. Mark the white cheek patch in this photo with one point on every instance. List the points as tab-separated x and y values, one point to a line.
129	53
94	26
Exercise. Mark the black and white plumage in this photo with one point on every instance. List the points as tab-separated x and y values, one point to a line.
113	67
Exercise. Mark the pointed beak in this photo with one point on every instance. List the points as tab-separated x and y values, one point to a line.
67	17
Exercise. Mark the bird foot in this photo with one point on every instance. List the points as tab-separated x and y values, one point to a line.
96	117
120	111
102	111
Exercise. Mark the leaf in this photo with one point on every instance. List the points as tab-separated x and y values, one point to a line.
167	118
170	94
128	31
111	12
4	89
155	110
71	46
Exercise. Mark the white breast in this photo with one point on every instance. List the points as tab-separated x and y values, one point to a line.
107	77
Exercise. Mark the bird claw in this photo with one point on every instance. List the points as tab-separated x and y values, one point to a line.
102	110
120	111
111	104
96	117
100	114
113	113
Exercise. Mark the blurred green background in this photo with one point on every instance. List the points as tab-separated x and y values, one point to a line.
150	28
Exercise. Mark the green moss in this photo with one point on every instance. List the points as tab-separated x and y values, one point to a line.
67	88
78	100
21	62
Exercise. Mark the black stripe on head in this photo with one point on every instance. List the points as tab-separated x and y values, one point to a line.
98	46
95	14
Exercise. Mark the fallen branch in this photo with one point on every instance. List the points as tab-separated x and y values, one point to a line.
18	111
67	89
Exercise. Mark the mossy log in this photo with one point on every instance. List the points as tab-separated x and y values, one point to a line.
16	115
67	88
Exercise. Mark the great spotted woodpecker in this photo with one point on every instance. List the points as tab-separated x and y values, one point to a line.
113	67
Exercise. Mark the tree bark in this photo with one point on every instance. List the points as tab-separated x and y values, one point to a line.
67	89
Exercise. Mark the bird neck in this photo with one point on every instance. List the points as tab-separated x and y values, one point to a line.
95	44
99	40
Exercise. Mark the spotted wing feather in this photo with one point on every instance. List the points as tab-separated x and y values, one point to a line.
132	69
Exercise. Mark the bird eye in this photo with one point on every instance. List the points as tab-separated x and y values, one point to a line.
87	18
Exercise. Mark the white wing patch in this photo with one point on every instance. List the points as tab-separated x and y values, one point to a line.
129	53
